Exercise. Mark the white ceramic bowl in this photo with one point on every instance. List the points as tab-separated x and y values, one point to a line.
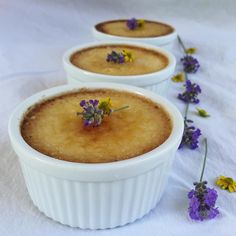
157	81
165	41
95	196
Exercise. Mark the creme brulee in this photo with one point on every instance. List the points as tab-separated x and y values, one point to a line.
53	128
119	28
145	61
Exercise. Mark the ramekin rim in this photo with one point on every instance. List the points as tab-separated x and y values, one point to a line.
167	36
18	113
123	78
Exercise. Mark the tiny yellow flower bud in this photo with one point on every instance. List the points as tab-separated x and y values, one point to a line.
141	23
191	50
128	56
178	78
202	112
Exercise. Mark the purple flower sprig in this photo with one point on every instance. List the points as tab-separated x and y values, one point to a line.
133	23
94	111
91	114
115	57
120	57
191	134
190	63
202	199
190	95
202	202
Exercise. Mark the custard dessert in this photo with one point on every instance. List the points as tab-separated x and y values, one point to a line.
53	128
145	61
149	29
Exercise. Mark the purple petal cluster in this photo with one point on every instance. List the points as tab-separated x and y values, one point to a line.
115	57
190	136
202	202
191	92
132	23
91	114
190	64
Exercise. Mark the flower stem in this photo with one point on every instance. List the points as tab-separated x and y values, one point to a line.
204	161
186	76
186	112
181	44
121	108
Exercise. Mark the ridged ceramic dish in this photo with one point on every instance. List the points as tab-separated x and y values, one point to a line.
164	41
156	82
95	196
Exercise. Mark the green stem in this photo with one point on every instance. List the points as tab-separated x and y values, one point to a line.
186	76
182	44
187	106
204	161
122	108
186	112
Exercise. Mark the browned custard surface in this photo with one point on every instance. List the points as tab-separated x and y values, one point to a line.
93	59
53	128
119	28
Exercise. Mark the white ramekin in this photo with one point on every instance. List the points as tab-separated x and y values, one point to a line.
165	41
156	82
95	196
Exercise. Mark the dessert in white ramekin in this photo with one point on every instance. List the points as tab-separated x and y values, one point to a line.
95	196
157	81
165	41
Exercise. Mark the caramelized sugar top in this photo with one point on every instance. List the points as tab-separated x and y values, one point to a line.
93	59
119	28
53	128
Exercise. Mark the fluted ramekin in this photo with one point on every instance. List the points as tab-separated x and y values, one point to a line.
95	196
164	41
156	81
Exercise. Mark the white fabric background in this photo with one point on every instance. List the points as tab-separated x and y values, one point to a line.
33	37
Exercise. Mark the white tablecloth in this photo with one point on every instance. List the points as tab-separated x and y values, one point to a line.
34	35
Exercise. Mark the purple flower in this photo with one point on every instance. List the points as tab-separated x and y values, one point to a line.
191	92
194	203
132	23
190	64
82	103
91	114
190	136
191	194
202	202
210	196
213	213
93	102
94	111
115	57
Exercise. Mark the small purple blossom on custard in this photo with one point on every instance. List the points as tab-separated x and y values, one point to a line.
191	92
94	111
190	137
120	57
133	23
82	103
115	57
190	64
202	202
93	102
91	113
